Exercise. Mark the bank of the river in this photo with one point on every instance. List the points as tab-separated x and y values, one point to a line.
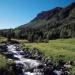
56	48
3	61
61	48
32	62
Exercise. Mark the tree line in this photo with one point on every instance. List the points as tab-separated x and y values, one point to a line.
48	32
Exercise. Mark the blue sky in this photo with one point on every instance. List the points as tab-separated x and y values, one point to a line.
14	13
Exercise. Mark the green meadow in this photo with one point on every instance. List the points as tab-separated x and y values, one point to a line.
56	48
3	61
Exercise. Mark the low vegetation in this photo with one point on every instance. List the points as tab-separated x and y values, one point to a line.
56	48
61	48
2	39
3	61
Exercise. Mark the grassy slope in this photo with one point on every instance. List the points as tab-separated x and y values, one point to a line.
2	39
54	48
3	61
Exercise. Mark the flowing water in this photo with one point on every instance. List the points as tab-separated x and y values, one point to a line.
27	63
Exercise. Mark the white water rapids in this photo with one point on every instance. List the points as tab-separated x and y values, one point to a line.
27	63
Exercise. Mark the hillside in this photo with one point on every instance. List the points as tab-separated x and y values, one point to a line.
58	22
55	23
52	17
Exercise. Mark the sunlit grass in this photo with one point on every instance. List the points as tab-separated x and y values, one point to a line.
3	39
3	61
55	48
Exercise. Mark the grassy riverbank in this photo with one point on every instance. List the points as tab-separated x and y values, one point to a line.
3	61
2	39
55	48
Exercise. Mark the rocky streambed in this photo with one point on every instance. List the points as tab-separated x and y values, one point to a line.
33	62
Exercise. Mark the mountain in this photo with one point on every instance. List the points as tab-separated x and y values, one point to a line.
57	14
52	24
43	18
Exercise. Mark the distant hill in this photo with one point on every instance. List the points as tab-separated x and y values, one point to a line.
55	23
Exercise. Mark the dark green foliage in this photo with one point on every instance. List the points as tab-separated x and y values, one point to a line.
52	24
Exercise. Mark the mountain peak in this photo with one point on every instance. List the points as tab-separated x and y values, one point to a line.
49	17
47	14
